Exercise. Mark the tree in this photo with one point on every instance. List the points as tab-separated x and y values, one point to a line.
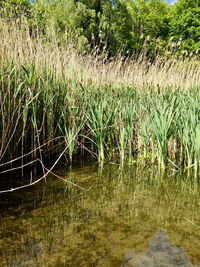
88	23
150	20
121	29
185	24
15	8
111	25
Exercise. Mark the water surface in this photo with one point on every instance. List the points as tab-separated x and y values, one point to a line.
114	212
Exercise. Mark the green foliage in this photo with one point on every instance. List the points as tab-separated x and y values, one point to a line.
121	29
149	17
90	24
15	8
118	126
112	27
185	23
149	22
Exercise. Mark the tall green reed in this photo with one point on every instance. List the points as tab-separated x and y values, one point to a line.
125	124
100	121
127	129
161	128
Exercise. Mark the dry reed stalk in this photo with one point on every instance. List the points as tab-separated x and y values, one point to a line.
49	89
65	59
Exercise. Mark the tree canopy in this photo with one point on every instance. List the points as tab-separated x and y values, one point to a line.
15	8
185	23
115	25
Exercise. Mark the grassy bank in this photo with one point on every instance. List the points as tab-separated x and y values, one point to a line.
54	102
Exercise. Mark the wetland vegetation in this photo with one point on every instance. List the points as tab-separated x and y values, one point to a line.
109	82
56	103
59	101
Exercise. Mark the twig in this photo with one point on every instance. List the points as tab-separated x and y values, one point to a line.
38	180
59	177
49	171
29	153
22	166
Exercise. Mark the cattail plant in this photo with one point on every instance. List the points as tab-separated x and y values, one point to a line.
55	99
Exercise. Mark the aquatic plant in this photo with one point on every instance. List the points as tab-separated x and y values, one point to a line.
54	101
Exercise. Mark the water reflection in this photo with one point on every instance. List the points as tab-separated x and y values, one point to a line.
56	224
160	253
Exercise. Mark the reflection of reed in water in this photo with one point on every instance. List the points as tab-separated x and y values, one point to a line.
161	253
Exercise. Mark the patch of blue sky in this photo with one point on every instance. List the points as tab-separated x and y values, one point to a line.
171	2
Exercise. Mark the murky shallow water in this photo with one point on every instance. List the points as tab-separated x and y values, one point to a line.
118	211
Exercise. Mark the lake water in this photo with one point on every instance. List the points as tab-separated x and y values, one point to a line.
113	212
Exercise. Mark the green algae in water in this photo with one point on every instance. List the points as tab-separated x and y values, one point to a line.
56	224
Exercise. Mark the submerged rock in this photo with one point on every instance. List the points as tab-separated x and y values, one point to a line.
161	253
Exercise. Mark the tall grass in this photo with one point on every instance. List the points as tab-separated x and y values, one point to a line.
51	98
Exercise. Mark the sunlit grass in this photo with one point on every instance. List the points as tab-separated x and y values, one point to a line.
53	98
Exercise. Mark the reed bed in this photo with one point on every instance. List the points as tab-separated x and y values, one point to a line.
54	100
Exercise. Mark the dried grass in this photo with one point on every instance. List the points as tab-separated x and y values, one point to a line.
65	59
